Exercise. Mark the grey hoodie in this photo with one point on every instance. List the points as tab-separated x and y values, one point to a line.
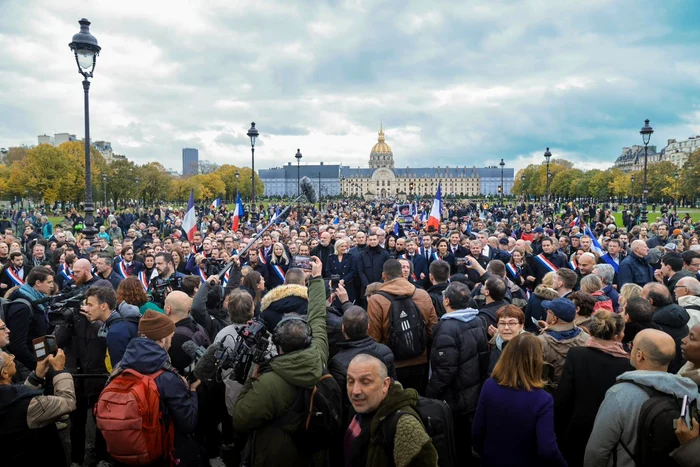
618	414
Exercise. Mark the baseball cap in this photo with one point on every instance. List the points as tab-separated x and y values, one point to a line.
563	308
538	230
503	241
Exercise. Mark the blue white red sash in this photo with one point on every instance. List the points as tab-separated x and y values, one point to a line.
573	264
202	276
14	276
121	269
261	257
64	272
546	263
278	270
435	256
512	270
227	276
143	279
415	279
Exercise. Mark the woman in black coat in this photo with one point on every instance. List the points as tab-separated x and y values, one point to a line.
589	372
443	253
342	264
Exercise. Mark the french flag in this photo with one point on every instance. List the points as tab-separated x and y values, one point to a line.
189	223
215	205
595	246
574	222
237	213
435	212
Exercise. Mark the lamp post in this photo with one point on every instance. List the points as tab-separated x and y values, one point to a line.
86	50
675	175
253	135
522	182
104	187
646	132
298	157
632	189
137	180
503	188
319	191
547	156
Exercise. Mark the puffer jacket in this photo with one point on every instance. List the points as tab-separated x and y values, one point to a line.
673	320
534	306
288	298
121	327
556	342
379	311
458	360
270	395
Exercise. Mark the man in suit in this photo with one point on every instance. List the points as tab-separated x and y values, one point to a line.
427	250
15	272
127	266
420	263
454	247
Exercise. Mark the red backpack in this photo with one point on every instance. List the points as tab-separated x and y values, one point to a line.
129	416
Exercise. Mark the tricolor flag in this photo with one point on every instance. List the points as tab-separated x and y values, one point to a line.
275	215
424	216
189	223
237	213
595	246
396	227
435	212
215	205
576	221
336	221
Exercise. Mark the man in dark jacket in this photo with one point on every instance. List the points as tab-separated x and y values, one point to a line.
292	297
372	259
546	261
494	291
356	332
671	271
672	318
177	308
105	270
661	237
439	278
634	268
207	307
459	361
147	354
324	249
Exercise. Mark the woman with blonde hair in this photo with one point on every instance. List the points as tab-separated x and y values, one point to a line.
277	265
342	264
628	291
513	401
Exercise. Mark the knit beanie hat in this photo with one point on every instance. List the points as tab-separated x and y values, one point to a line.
155	326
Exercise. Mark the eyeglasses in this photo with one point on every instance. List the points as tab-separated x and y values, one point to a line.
509	324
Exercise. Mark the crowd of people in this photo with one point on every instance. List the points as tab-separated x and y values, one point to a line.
518	335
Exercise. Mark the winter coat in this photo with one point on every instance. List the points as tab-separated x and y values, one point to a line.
673	280
617	417
379	311
525	417
588	374
26	324
212	320
412	445
556	342
346	269
274	391
539	270
289	298
534	309
28	433
435	293
487	313
691	303
635	270
272	278
370	265
458	360
673	320
120	330
180	404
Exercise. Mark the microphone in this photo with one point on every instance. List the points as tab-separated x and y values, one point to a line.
208	365
194	351
308	190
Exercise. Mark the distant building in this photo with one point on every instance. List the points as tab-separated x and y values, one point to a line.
57	139
282	181
676	152
190	161
104	148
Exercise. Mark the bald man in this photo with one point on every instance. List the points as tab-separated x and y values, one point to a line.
177	307
82	273
616	422
634	268
672	318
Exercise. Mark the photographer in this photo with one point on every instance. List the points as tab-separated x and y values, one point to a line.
26	319
272	389
167	279
208	307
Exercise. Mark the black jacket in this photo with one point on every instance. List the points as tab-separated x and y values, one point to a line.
26	324
288	298
85	354
370	265
588	374
673	320
488	313
435	293
458	360
212	320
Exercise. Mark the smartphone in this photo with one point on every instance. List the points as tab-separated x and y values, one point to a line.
462	262
686	412
335	280
44	346
302	262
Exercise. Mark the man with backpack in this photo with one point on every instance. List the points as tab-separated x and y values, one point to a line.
634	425
177	308
269	405
145	391
402	317
120	322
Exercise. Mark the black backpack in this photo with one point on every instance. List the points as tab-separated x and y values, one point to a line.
317	414
438	304
199	337
408	337
656	436
5	306
436	417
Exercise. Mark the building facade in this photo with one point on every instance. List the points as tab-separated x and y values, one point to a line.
282	181
190	161
676	152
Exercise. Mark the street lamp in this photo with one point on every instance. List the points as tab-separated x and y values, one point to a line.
104	187
677	194
319	191
86	50
522	182
646	132
503	191
298	156
253	135
137	180
547	156
632	189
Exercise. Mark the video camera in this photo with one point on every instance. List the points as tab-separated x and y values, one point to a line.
160	288
213	265
64	309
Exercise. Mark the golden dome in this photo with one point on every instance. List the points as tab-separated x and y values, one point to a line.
381	147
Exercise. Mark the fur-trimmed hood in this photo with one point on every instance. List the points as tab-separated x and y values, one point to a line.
545	292
283	291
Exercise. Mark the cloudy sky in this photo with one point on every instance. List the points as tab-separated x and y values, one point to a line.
455	83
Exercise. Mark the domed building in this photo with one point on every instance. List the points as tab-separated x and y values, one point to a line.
381	155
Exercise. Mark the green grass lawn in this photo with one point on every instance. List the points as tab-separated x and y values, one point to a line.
694	214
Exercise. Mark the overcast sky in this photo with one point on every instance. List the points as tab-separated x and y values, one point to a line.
455	83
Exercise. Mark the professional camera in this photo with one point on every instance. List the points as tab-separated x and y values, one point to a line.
162	287
252	347
213	265
64	309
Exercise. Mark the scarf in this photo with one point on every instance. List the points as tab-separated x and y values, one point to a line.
29	292
500	343
689	370
609	347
